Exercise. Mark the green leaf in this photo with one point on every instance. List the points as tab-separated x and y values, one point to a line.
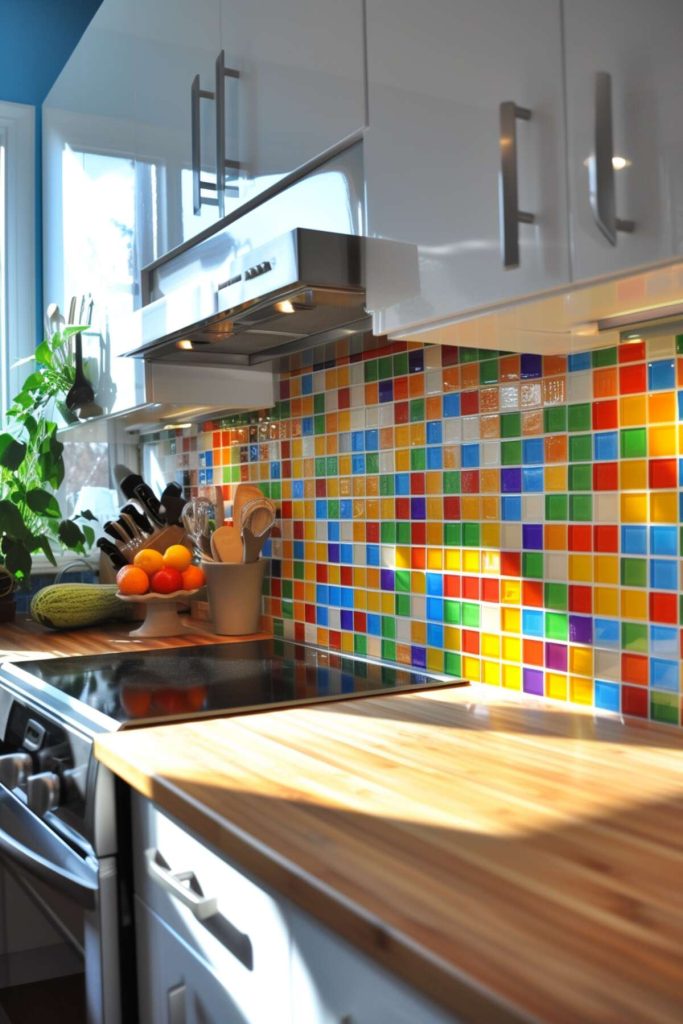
42	502
33	381
44	353
87	514
70	534
12	452
89	535
11	523
18	559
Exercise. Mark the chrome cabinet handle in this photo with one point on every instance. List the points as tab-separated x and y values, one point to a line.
197	94
601	165
222	164
181	884
510	214
176	1005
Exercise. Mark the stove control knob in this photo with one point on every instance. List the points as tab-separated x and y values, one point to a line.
42	792
14	769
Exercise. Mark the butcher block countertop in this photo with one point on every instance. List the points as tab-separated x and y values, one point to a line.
516	860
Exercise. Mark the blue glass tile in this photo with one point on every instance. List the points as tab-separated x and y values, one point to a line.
209	476
607	446
532	536
358	465
469	456
321	508
346	508
387	579
434	635
579	361
322	616
202	460
358	440
322	593
663	574
680	405
346	597
532	451
298	550
434	432
511	508
386	390
634	540
664	641
346	619
532	622
335	596
531	366
306	429
333	529
275	471
661	375
418	656
371	440
333	553
373	624
664	540
346	554
402	483
532	479
434	584
418	508
511	480
435	609
606	633
307	384
606	694
254	453
664	675
372	554
581	629
202	476
209	459
434	458
451	404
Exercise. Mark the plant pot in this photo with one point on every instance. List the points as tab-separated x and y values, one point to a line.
8	608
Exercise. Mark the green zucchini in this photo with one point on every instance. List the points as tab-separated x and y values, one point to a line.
72	605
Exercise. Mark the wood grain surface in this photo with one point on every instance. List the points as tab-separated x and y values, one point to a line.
514	859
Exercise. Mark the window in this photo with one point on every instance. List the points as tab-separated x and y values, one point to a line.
17	246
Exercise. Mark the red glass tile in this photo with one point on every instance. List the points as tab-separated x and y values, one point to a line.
344	398
321	573
286	510
449	355
451	586
346	575
372	533
285	449
418	533
469	403
418	558
634	668
632	379
321	488
663	608
309	612
470	641
606	538
401	412
579	538
470	588
298	529
605	476
286	469
400	389
334	640
469	481
532	593
216	439
417	483
360	622
490	591
284	388
532	652
605	415
451	508
580	599
662	473
299	632
275	587
632	352
634	700
510	563
403	508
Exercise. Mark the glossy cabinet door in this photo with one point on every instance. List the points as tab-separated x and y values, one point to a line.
438	73
636	48
301	86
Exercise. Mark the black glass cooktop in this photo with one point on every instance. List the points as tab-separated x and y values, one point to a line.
220	679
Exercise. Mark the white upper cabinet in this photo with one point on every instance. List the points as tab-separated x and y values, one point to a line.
439	140
625	132
301	85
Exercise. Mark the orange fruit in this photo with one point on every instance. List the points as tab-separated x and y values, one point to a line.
177	557
193	577
149	560
132	580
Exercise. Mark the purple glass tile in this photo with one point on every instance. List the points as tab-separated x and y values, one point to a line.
581	629
533	681
511	480
332	552
346	619
416	361
386	390
531	366
532	536
418	508
418	656
556	657
387	579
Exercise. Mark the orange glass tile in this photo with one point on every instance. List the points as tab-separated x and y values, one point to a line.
606	569
488	399
319	446
634	668
532	651
451	456
344	420
372	393
556	448
489	481
331	381
634	474
580	568
416	385
555	537
403	654
532	422
451	378
386	438
634	604
402	436
372	508
580	690
606	601
402	460
418	631
553	365
433	407
661	441
632	410
371	486
664	507
555	478
490	508
661	407
605	382
509	367
345	485
435	660
452	638
418	435
433	483
387	603
469	507
434	534
358	492
489	425
373	593
434	559
387	508
469	376
307	405
434	511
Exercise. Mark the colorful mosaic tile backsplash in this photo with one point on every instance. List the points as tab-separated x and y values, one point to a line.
515	520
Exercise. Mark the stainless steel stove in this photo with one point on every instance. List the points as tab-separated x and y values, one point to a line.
59	833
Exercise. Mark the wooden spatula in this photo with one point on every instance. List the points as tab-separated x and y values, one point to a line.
226	544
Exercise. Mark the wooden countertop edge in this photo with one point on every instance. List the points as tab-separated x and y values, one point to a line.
453	990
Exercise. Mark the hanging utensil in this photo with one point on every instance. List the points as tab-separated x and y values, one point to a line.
80	393
196	516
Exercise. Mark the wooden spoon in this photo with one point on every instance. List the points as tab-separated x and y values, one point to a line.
226	544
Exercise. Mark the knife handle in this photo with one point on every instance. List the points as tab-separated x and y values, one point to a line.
149	501
115	556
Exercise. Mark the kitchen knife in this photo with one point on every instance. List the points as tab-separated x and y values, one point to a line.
117	531
115	556
134	486
173	503
142	522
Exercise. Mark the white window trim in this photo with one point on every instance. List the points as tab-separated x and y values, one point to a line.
17	120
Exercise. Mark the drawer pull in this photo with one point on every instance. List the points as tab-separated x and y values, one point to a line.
510	214
176	1005
181	884
601	184
198	183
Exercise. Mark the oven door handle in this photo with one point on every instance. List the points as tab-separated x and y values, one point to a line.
28	843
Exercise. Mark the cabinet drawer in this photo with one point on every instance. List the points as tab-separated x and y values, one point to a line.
235	927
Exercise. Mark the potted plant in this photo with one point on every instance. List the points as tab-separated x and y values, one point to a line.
32	468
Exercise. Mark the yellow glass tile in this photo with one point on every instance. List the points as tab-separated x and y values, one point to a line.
580	568
418	632
344	466
471	560
344	421
634	475
634	604
418	582
581	661
512	677
490	645
332	487
402	558
606	601
491	673
452	563
489	481
402	436
347	642
373	584
555	537
371	486
342	376
490	560
433	482
402	460
434	534
361	600
387	604
661	441
489	426
663	506
580	690
360	578
661	407
307	405
434	511
490	508
633	508
418	435
387	508
606	568
334	574
321	552
555	478
471	667
358	531
309	574
434	558
632	410
435	660
556	685
512	648
510	591
451	638
469	507
510	620
330	380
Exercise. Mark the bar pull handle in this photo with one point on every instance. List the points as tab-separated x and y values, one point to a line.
181	884
222	163
510	214
176	1005
197	94
601	165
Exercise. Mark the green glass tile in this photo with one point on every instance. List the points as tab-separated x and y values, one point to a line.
386	485
452	664
679	344
333	508
555	419
634	636
510	424
320	466
298	570
418	459
604	357
556	626
581	476
389	650
664	707
360	643
371	371
278	628
389	627
332	465
633	443
400	364
452	534
402	581
287	609
452	612
417	410
451	481
556	507
470	615
319	425
532	565
319	403
384	367
287	588
469	355
555	596
581	508
471	535
227	474
275	490
581	448
511	453
402	604
634	572
387	533
285	410
403	533
579	416
488	372
372	462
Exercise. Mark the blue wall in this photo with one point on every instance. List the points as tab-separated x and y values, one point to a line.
36	40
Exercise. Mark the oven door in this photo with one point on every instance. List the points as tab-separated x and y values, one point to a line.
78	896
